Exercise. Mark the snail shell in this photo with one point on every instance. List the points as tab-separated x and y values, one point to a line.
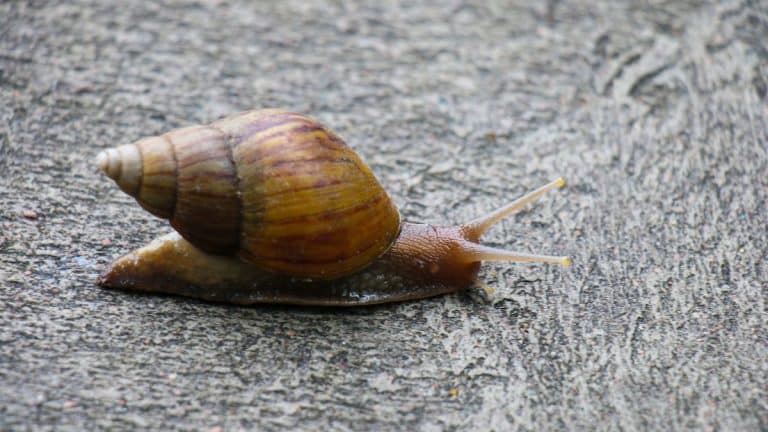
275	188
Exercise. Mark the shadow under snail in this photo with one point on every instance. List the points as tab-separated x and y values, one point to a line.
269	206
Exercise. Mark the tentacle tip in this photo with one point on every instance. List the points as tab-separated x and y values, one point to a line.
560	182
565	261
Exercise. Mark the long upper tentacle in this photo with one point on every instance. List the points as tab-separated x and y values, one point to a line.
483	223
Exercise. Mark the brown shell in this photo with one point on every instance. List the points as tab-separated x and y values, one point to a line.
274	187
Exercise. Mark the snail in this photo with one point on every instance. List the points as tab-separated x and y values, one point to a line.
269	206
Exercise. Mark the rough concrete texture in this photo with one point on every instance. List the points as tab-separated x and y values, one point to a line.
655	112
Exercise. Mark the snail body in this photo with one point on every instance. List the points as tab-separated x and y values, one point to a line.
270	206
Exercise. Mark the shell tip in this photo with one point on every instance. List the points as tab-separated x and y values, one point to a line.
102	160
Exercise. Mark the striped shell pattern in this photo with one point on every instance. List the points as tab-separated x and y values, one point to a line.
273	187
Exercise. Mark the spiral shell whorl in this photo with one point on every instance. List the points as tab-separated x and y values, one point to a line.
274	187
123	165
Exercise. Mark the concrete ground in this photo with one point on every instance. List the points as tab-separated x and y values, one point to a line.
655	112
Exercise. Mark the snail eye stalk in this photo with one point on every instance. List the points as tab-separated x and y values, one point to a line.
476	252
477	227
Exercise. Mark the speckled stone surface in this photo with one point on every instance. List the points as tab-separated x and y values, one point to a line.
655	112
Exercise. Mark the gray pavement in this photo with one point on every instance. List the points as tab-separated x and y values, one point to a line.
655	112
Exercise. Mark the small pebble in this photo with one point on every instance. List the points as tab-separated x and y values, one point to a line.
454	392
82	88
106	242
29	214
